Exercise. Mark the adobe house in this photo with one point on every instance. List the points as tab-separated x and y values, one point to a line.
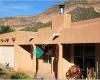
70	43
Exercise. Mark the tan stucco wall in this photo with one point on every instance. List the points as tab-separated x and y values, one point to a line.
61	21
44	69
23	61
80	34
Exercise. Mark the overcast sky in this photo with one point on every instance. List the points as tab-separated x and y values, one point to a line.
9	8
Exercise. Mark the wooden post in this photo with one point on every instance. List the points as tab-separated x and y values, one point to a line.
34	60
97	69
60	62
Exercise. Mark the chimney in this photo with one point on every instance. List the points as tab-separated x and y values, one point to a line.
61	9
61	20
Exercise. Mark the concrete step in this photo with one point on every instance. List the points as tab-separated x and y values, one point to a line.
46	76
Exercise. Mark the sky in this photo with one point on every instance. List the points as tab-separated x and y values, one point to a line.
10	8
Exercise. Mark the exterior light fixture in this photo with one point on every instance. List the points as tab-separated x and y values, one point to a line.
61	9
31	38
55	35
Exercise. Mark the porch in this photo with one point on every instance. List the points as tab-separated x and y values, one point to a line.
83	55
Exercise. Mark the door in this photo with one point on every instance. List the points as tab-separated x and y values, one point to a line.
7	55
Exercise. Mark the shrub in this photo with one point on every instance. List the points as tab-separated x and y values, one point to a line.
5	29
5	75
79	14
19	75
73	72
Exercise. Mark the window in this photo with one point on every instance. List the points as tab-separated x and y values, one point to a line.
84	55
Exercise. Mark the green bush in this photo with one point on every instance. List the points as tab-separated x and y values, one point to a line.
5	29
19	75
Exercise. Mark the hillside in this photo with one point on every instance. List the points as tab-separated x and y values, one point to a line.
79	11
79	14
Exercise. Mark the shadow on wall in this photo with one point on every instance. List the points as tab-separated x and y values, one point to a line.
29	49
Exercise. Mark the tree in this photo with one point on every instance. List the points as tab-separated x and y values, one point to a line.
5	29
